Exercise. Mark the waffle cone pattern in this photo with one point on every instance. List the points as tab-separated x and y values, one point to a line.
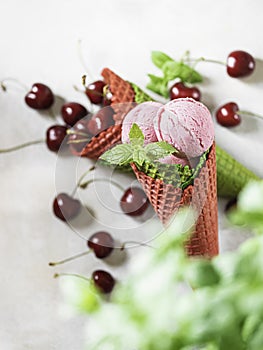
232	176
123	95
202	195
122	101
100	143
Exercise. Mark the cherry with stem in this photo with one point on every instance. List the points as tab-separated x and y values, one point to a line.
102	280
229	114
239	63
65	206
56	136
39	97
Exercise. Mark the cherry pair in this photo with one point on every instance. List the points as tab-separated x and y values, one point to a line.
239	64
133	202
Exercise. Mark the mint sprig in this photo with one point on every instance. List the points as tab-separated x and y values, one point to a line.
171	70
136	152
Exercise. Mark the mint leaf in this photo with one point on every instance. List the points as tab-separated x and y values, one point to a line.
158	150
185	73
119	155
171	70
159	85
139	156
154	152
136	135
167	147
159	58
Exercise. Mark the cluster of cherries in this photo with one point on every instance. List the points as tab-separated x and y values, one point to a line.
239	64
85	124
101	244
80	126
133	203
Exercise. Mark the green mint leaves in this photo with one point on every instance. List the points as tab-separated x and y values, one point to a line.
136	136
135	151
159	59
171	70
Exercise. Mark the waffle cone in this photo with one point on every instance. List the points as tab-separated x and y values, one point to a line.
100	143
122	101
202	195
123	95
231	175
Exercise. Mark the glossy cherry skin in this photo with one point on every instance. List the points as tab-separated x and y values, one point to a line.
94	91
55	137
100	121
227	115
179	90
65	207
39	97
103	281
101	243
134	201
72	112
240	64
80	126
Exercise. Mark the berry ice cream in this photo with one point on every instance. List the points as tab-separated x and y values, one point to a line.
143	115
187	125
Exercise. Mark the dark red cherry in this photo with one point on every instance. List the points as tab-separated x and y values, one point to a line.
134	201
240	64
103	281
82	135
39	97
94	91
55	136
101	243
179	90
100	121
65	207
72	112
227	115
107	99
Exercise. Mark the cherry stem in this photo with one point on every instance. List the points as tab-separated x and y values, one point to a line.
15	148
85	184
81	178
56	275
250	114
203	59
4	88
77	141
134	242
69	259
73	132
82	61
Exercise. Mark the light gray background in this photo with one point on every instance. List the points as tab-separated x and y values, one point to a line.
39	43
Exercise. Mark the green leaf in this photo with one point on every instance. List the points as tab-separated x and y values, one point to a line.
159	150
159	85
119	155
139	156
185	73
136	135
167	147
159	58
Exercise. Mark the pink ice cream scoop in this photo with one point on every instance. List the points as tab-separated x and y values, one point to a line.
187	125
143	115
